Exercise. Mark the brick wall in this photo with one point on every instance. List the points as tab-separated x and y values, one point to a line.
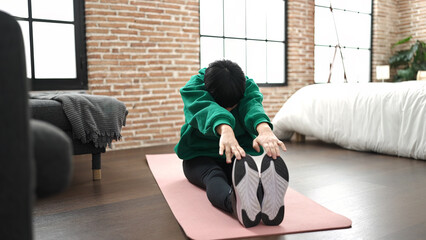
143	51
385	32
412	19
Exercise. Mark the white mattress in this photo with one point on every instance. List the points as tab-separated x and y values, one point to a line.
387	118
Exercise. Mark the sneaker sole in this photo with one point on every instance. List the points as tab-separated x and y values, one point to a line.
245	178
274	177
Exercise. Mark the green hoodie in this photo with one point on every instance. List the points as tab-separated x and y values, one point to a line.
203	115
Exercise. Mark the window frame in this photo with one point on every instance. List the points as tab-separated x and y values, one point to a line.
350	47
80	82
285	42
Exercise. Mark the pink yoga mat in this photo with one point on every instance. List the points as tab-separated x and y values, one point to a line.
200	220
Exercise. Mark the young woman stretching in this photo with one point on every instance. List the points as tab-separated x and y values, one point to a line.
225	123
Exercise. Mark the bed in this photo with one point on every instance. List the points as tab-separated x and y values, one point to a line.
388	118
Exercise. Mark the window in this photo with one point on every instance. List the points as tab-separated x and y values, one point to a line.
352	21
248	32
54	38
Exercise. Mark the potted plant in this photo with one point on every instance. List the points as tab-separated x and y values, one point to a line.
408	61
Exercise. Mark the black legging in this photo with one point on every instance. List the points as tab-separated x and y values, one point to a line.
213	175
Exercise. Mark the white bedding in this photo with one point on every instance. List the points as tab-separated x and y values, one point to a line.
387	118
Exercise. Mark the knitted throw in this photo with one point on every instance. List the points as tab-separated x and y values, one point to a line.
93	118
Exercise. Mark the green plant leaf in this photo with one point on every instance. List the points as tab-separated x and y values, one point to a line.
420	56
402	57
402	41
410	60
422	66
406	74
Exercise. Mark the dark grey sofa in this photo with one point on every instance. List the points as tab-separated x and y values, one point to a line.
35	156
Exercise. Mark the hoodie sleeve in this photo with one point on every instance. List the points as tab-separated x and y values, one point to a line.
251	108
200	109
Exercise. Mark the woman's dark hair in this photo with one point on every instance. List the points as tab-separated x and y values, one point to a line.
226	82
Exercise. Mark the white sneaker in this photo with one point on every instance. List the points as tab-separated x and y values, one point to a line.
274	177
245	179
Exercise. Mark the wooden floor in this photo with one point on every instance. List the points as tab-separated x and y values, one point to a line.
384	196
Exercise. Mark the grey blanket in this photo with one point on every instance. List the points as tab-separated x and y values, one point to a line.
93	118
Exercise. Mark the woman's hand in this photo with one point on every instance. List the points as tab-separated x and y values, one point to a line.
267	139
228	143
